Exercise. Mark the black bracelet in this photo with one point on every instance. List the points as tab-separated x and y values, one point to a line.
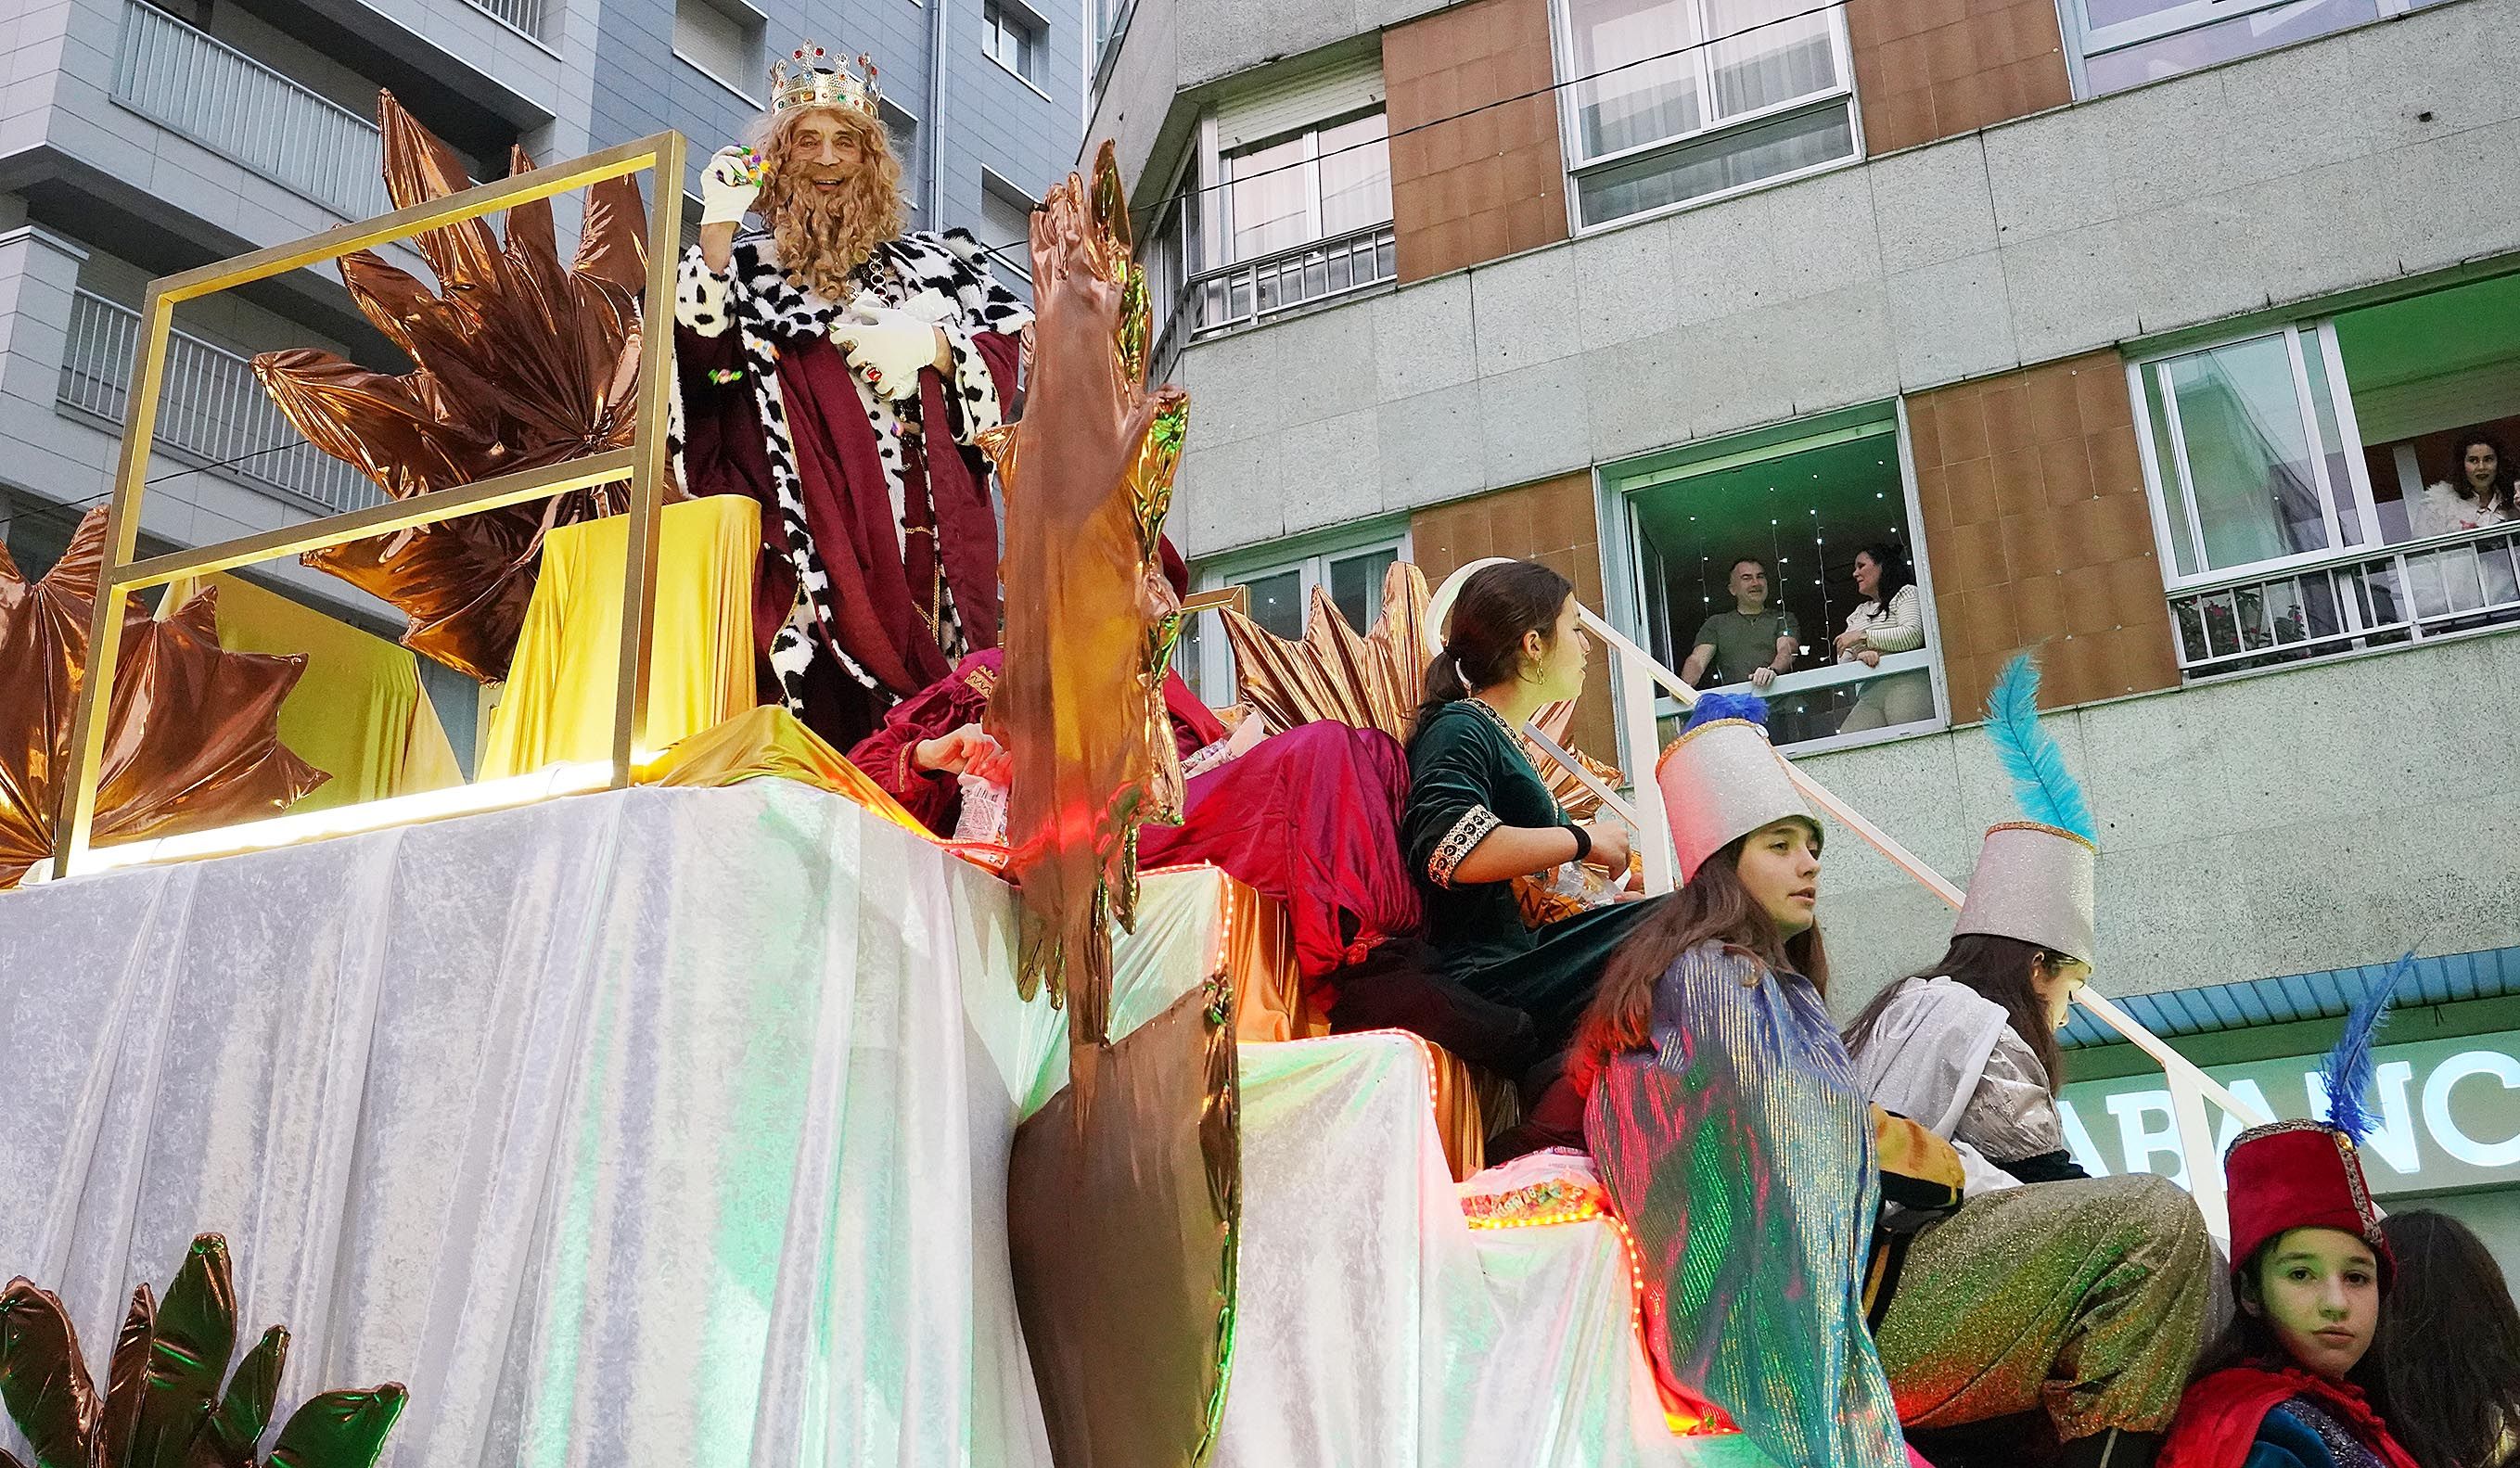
1583	841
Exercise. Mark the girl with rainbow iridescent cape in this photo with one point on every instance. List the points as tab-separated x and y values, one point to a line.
1726	1119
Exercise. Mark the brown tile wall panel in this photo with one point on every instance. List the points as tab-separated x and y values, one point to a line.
2039	534
1484	183
1935	68
1551	522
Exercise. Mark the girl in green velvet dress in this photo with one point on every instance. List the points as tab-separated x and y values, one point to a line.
1478	817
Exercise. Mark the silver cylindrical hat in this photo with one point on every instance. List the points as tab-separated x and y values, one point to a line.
2034	883
1721	781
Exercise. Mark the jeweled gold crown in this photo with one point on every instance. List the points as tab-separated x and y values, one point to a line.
810	78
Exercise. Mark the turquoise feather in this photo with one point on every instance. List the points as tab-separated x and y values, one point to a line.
2046	790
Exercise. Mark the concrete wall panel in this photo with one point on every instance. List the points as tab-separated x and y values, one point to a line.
2155	210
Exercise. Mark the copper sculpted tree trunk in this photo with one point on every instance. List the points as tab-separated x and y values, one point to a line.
1088	474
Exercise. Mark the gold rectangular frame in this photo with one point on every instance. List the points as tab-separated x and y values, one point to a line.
1223	598
643	463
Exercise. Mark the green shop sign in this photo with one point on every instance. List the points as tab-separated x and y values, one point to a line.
2450	1114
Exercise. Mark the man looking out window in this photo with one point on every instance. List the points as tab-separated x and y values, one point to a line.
1750	644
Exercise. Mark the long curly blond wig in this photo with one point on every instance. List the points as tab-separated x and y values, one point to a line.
821	240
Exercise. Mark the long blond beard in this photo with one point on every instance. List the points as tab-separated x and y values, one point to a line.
822	238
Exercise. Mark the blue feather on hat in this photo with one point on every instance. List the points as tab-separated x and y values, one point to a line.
2348	1071
1713	706
2046	790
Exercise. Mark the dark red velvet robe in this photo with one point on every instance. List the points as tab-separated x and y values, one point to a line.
1309	817
849	513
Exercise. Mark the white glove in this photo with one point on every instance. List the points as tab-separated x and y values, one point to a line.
885	346
730	184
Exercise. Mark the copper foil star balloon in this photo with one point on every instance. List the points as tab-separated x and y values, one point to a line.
163	1407
1088	474
192	739
520	363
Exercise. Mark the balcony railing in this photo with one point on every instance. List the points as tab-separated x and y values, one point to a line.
1251	291
233	105
527	17
1815	710
2403	595
214	410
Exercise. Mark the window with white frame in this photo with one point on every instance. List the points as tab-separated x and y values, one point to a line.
1318	184
1669	102
1282	597
720	41
2305	480
1011	39
1821	509
2255	465
2125	43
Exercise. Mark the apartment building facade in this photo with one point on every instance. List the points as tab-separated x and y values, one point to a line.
2138	326
140	137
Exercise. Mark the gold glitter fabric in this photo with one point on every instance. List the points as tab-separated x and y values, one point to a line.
2085	1298
1739	1155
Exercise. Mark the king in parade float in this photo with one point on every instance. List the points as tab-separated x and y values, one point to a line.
842	373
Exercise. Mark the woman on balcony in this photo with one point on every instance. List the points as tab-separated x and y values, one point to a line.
2078	1298
1888	619
2478	493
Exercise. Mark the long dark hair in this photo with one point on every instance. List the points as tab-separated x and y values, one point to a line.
2003	969
1493	609
1895	574
2249	1338
1712	906
2501	495
2449	1344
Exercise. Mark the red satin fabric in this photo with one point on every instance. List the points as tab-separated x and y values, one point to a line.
1310	817
2218	1417
847	507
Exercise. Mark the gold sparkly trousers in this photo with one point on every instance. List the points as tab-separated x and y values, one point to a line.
2087	1297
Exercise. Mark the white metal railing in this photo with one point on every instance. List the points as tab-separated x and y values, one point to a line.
1803	706
2359	599
529	17
226	101
1642	679
1251	291
214	410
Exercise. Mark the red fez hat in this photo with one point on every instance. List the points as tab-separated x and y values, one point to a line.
2299	1175
1176	569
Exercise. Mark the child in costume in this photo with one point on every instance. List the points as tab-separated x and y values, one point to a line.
2451	1407
1726	1122
2083	1297
2288	1386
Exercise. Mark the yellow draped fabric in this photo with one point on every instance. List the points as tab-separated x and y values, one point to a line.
768	742
357	712
558	700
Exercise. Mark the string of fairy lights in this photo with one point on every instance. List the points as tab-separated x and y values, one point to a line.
1715	562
